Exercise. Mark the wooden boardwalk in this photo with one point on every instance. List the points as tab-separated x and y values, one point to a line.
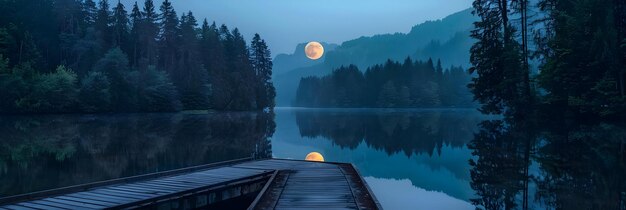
273	183
313	185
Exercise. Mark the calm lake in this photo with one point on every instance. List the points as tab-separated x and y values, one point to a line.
412	159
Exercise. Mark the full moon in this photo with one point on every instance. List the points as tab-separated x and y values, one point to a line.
314	50
314	156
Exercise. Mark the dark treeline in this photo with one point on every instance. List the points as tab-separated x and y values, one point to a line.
580	47
391	85
81	55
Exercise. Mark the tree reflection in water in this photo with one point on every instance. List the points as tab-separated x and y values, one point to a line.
44	152
577	166
402	131
515	165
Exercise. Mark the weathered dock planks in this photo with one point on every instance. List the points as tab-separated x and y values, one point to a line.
280	184
313	185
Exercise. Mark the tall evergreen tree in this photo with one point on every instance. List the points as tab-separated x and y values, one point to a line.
168	37
136	20
212	48
191	76
71	20
103	24
149	32
241	75
262	64
121	28
496	61
91	12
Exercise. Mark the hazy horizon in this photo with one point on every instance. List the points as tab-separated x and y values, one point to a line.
286	24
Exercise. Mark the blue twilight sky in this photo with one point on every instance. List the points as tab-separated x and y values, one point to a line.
285	23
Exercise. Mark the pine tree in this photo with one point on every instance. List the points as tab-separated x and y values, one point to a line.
136	20
262	63
149	31
168	38
120	27
191	76
242	75
91	12
103	24
214	59
71	23
212	49
439	70
496	61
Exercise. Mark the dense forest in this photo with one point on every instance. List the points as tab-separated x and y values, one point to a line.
580	47
60	56
390	85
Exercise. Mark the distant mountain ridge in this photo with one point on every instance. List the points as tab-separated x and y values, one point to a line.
446	39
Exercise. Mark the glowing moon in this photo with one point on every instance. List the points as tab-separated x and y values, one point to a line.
314	156
314	50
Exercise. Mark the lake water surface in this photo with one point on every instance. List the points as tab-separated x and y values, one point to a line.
412	159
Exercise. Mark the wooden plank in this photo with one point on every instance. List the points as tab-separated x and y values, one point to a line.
144	185
16	207
88	201
202	180
58	205
38	206
114	192
172	184
77	204
144	190
177	183
100	197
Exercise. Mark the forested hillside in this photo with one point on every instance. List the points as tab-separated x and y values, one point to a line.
86	56
391	85
446	39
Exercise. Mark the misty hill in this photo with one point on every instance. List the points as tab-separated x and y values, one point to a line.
446	39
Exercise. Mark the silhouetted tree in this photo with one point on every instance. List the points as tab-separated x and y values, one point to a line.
496	60
191	76
120	28
261	59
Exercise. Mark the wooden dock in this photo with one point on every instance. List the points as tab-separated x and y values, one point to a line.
238	184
